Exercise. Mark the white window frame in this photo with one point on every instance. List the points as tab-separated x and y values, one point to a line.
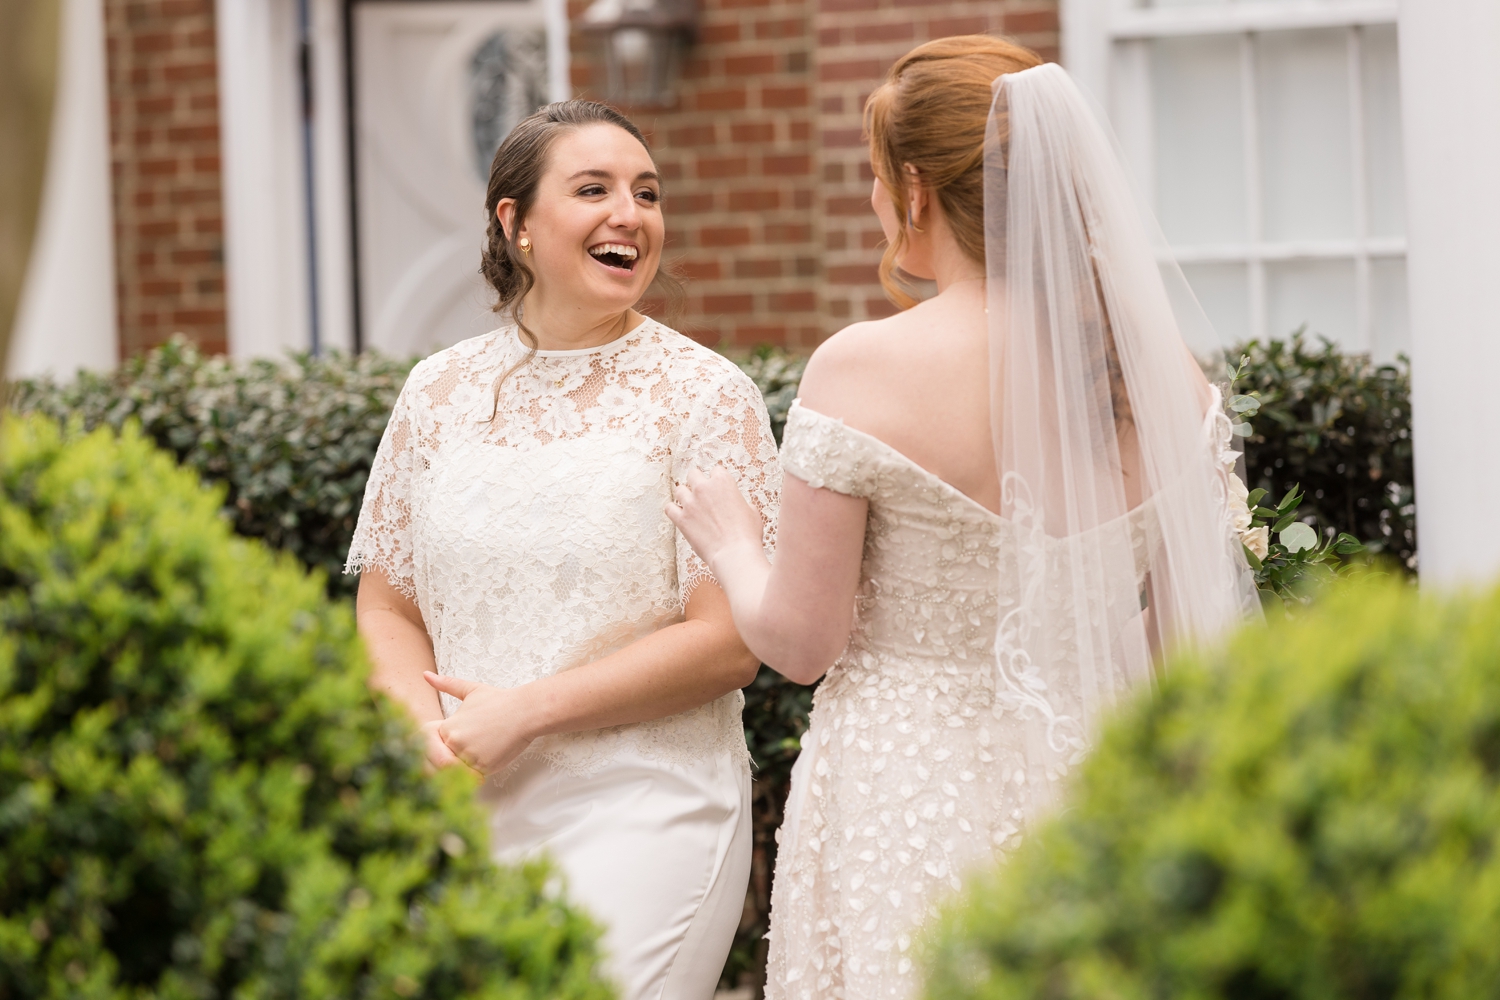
1097	37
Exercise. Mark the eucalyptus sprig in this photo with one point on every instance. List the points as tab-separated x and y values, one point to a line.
1243	405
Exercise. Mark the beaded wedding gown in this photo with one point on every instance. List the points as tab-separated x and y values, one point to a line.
914	768
988	648
531	534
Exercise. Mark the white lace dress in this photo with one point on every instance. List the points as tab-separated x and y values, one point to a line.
911	771
535	542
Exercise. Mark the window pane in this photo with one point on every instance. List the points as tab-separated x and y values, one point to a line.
1389	334
1306	167
1317	293
1223	290
1382	92
1200	175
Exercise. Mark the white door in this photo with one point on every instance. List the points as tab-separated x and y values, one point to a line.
437	86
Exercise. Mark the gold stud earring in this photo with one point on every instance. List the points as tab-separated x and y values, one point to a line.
525	244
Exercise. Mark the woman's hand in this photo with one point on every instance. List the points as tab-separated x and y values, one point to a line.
437	752
488	731
715	519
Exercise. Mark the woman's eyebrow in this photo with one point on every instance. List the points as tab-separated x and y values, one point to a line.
645	175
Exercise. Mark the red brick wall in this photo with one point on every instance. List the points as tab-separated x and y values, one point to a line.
737	155
164	151
857	41
768	181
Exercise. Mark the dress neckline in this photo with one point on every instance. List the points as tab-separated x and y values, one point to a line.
1141	510
598	350
906	460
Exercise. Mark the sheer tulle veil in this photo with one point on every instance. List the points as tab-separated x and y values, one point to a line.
1111	444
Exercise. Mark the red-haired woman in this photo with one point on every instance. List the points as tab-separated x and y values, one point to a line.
1001	504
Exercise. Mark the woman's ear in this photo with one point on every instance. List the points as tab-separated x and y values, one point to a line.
916	196
505	211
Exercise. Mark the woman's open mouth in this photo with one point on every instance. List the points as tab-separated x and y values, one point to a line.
619	256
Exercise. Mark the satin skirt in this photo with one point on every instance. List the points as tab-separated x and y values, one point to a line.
658	854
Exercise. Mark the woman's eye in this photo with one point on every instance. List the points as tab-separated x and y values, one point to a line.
591	190
646	194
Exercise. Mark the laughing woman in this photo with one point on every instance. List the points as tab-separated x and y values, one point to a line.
524	596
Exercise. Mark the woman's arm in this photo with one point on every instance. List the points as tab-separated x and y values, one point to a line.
400	651
669	671
794	615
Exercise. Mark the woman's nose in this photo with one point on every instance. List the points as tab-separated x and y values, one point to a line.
624	212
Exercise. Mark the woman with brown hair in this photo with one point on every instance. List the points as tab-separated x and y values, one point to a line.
1003	503
523	594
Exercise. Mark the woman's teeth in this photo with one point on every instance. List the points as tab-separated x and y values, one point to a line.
615	255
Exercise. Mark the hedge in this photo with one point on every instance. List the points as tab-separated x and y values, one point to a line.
1340	426
199	798
292	444
1312	813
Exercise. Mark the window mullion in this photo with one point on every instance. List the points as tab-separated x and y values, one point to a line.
1360	187
1250	123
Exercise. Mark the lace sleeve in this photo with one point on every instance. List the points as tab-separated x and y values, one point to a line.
382	538
728	426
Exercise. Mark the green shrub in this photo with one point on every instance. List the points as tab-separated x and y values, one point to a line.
1340	426
292	442
198	796
1313	812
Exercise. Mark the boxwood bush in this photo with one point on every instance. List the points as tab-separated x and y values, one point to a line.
198	796
291	442
1312	813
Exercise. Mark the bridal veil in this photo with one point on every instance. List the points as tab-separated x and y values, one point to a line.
1110	442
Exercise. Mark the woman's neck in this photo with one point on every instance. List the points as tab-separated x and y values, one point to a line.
565	328
951	267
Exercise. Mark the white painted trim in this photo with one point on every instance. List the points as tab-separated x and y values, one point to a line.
1266	15
1355	63
1132	115
330	138
265	238
1385	246
1450	104
66	317
1250	131
559	79
1085	45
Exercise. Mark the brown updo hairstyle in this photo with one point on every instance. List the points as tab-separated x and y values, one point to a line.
931	112
515	172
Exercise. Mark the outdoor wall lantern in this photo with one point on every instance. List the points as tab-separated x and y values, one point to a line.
643	45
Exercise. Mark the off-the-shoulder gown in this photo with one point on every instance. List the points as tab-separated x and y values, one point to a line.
912	770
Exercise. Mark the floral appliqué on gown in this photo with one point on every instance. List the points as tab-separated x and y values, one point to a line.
911	771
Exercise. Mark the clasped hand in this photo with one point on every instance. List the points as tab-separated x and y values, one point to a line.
714	518
487	732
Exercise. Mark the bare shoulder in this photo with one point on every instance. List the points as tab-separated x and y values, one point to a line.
851	366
